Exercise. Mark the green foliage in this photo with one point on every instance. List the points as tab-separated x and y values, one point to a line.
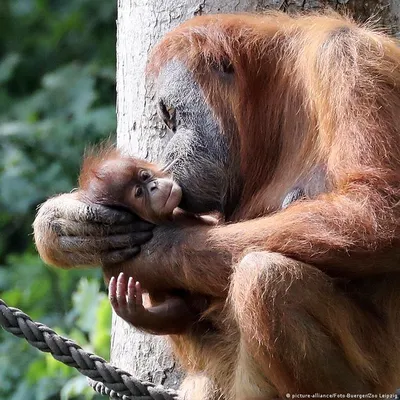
57	95
45	294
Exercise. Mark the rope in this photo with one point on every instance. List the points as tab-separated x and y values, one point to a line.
102	376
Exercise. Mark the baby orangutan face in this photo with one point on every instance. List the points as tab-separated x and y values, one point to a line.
151	195
112	179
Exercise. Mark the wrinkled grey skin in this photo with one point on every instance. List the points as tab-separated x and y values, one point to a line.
198	150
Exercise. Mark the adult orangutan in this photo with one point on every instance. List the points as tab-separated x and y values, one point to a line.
306	298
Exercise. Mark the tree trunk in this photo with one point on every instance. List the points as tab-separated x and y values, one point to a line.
140	25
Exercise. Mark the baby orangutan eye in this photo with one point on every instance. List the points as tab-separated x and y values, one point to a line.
145	175
138	191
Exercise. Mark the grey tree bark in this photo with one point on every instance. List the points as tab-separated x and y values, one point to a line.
140	24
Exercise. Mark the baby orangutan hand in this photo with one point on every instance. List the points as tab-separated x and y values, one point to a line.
172	316
127	300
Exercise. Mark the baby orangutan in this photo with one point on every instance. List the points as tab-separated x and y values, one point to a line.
110	178
113	179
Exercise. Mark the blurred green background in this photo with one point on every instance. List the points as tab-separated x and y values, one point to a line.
57	95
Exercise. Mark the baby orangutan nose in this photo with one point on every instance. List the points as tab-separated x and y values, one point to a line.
153	185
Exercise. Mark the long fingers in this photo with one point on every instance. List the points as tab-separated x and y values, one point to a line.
65	227
118	256
65	214
112	293
121	290
70	207
99	244
139	296
135	298
123	295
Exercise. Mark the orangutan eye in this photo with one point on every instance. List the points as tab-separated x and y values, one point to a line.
226	66
145	175
223	67
168	115
138	191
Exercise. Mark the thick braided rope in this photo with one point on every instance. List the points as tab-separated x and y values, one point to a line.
102	376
